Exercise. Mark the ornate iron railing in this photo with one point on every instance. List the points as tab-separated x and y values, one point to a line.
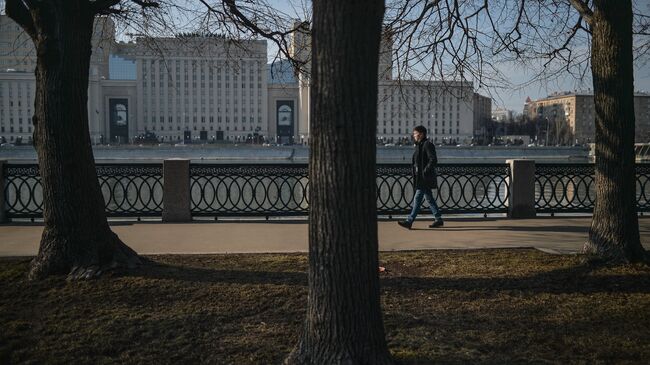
570	188
643	187
128	190
462	188
274	190
23	191
283	189
236	190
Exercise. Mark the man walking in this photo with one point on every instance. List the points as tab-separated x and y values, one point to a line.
424	178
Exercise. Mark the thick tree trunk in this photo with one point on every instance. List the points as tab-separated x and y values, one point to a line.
344	323
614	233
76	239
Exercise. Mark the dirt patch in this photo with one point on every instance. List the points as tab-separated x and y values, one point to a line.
477	306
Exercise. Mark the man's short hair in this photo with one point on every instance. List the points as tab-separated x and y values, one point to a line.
420	129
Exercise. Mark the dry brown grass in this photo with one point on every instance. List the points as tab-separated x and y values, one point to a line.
485	306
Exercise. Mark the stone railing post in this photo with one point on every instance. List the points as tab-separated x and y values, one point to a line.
176	191
3	213
521	200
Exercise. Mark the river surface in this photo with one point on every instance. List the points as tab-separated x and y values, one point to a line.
300	154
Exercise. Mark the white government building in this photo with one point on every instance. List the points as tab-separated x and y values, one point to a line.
196	88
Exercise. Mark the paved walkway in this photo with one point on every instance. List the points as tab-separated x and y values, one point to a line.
563	235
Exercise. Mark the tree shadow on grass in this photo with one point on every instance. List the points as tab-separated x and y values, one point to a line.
578	279
164	271
575	279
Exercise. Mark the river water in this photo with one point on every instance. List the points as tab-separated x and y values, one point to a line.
300	154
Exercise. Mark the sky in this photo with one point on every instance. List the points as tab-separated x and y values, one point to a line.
514	99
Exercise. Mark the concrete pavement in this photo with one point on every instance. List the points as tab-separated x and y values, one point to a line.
553	234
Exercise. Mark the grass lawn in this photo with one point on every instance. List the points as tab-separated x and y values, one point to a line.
479	306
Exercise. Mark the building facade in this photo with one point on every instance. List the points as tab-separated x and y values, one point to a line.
481	117
18	84
198	88
193	87
577	112
448	109
444	108
185	88
502	115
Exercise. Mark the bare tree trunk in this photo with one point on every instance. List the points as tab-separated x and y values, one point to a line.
76	239
614	233
344	323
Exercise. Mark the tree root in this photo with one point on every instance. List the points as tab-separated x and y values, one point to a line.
82	260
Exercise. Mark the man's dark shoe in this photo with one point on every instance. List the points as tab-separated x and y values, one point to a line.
405	224
436	224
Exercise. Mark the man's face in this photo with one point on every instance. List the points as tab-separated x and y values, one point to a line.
417	136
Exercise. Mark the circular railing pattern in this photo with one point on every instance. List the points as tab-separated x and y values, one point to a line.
131	190
643	187
249	189
284	189
23	191
128	190
462	188
564	188
572	187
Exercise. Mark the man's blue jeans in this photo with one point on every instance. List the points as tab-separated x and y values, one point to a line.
420	194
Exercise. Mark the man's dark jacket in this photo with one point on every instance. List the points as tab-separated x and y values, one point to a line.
424	163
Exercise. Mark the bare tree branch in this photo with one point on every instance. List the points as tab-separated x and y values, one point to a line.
147	3
583	8
100	5
18	11
279	37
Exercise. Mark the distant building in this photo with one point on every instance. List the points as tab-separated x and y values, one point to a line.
481	116
17	80
502	115
195	87
445	108
189	87
528	105
577	111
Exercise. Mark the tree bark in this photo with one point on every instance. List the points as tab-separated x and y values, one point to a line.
76	239
614	233
344	322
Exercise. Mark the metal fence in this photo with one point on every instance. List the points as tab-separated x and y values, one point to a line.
266	190
134	190
571	188
462	188
276	190
248	190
